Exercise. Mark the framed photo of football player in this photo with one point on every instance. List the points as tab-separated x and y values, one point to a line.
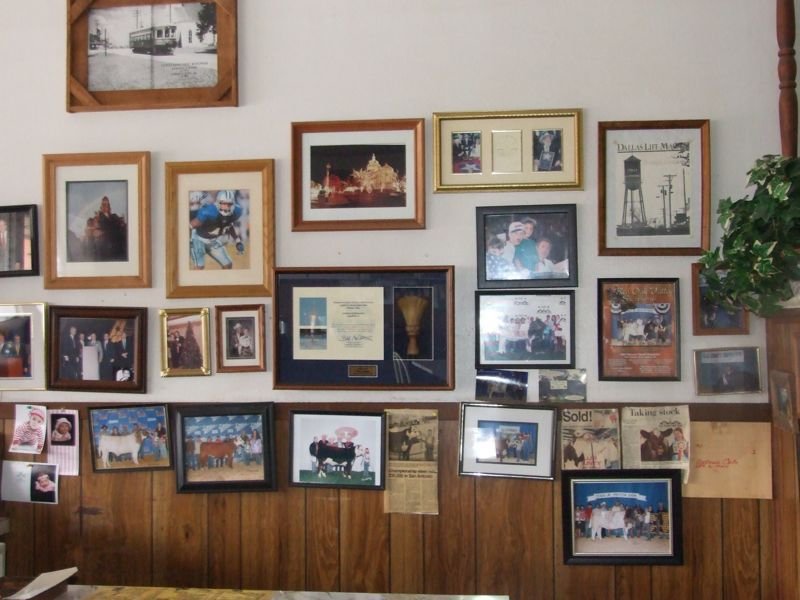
223	215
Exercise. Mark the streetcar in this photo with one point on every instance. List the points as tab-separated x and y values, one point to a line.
161	39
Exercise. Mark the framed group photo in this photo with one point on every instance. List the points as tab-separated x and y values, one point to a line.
240	338
22	346
130	438
733	370
185	349
19	240
710	318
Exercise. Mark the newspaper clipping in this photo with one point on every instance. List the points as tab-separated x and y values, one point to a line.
590	438
656	437
412	472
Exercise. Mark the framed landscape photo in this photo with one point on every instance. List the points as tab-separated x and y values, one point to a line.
377	328
734	370
507	441
622	517
655	187
185	349
19	241
350	175
240	338
337	449
709	318
97	349
97	220
222	215
22	346
638	322
134	54
507	150
528	246
225	447
130	438
781	393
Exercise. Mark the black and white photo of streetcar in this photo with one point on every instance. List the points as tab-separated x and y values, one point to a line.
154	40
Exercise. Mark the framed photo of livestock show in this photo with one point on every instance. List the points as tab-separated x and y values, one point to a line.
622	517
225	448
638	324
134	54
364	328
500	440
337	449
130	438
222	218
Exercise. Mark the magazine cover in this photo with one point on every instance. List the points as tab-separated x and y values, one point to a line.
590	438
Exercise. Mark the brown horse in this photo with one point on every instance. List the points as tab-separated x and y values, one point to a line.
217	450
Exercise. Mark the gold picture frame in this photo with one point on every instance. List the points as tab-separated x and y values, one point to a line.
184	353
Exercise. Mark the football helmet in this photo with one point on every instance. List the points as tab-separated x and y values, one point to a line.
225	201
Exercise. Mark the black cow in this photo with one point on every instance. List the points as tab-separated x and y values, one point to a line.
655	446
343	455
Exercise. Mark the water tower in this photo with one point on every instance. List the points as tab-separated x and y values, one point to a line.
633	214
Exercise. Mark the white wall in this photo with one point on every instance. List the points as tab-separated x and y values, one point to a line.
309	60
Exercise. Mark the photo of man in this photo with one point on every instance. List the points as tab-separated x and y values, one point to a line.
97	221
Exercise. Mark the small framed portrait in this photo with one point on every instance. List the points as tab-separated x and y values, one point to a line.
727	371
62	430
22	346
501	386
240	338
98	349
507	441
527	246
130	438
185	347
781	394
709	318
337	449
19	241
622	517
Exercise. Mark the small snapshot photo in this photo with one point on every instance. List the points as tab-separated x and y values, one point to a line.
97	221
781	392
19	253
30	429
220	222
466	152
562	385
547	150
29	482
413	435
62	429
126	438
727	370
184	342
502	386
413	323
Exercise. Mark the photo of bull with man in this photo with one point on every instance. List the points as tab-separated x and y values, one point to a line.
130	438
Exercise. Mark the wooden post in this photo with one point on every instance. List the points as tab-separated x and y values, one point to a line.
787	72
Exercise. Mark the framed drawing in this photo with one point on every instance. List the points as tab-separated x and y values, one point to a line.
524	329
225	448
727	370
129	54
19	241
97	220
349	175
223	213
130	438
240	338
337	449
709	318
364	328
781	393
655	187
185	347
638	322
507	150
622	517
507	441
22	346
527	246
97	349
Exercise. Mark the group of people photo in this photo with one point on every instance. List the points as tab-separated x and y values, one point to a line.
96	350
523	337
14	345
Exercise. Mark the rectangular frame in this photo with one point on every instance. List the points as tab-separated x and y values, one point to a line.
75	189
730	370
21	228
512	239
709	318
510	332
346	449
136	431
491	434
240	349
223	436
28	321
116	366
666	151
782	398
173	360
638	329
464	143
84	47
377	328
337	166
236	257
634	489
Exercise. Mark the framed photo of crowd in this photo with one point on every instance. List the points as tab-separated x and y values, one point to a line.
240	338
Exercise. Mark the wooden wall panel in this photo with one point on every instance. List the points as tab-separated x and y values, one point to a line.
224	554
740	550
364	533
322	540
407	565
57	531
632	582
20	553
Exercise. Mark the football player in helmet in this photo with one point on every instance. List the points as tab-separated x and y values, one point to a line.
214	226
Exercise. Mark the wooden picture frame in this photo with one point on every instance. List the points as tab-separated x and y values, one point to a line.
358	175
19	240
709	318
643	165
23	365
507	150
240	338
783	399
184	351
730	370
130	438
213	254
107	38
97	220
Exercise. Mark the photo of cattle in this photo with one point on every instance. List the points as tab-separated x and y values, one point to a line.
507	441
130	437
413	436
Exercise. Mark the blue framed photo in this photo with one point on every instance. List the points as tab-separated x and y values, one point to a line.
130	438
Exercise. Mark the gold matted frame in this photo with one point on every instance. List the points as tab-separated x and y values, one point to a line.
88	242
186	70
507	150
212	255
240	338
185	352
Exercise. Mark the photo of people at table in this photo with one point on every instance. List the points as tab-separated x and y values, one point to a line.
96	349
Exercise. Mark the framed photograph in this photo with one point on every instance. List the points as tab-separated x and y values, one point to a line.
349	175
22	346
638	322
97	220
130	438
507	441
781	393
377	328
185	349
655	187
240	338
727	371
709	318
622	517
130	55
524	329
337	449
97	349
528	246
224	216
19	241
225	447
507	150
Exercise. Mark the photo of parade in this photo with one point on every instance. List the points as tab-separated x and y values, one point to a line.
97	221
501	442
220	223
97	349
15	346
130	437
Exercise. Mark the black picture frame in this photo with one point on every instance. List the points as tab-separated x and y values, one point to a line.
130	438
21	226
